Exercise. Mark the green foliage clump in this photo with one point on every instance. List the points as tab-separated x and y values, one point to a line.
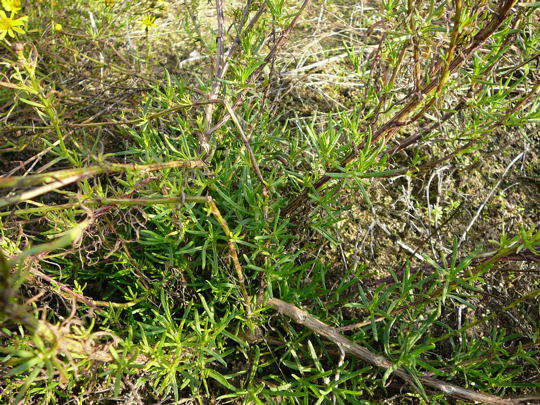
151	206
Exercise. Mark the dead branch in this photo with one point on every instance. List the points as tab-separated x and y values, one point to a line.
269	57
208	110
303	318
248	147
222	65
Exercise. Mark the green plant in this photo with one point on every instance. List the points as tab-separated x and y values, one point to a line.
162	217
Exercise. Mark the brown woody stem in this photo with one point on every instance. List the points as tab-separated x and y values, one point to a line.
349	347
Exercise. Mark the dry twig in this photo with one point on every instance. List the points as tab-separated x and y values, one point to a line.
303	318
248	147
269	57
222	65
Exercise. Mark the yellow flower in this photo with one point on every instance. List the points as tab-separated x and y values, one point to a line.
58	27
110	2
9	26
148	21
12	5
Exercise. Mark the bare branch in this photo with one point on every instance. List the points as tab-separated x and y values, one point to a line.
248	147
280	41
303	318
